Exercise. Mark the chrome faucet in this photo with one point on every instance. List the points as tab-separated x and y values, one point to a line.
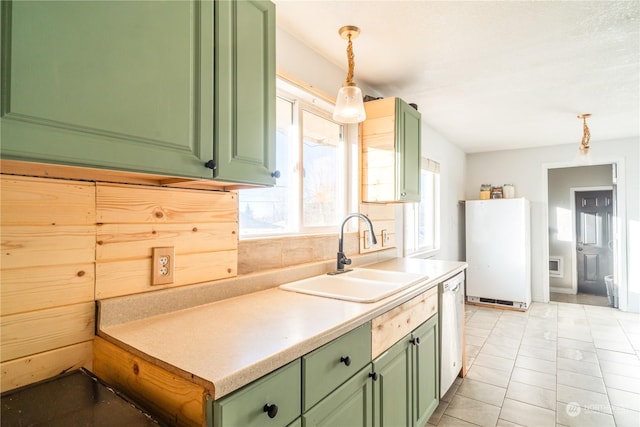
342	259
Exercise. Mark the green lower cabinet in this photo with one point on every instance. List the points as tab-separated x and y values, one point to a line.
296	423
426	372
350	405
392	390
324	369
273	400
406	390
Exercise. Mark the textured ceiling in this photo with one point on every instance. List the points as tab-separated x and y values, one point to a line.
491	75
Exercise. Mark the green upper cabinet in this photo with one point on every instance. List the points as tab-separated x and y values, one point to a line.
131	85
391	152
245	92
408	152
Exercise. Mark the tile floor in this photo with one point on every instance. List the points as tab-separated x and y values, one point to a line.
557	364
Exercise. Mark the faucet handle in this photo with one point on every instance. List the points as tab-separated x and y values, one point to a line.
344	260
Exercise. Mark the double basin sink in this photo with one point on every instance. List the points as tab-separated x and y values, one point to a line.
362	285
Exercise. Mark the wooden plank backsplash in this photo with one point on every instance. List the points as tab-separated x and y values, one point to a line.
47	309
126	204
67	243
202	226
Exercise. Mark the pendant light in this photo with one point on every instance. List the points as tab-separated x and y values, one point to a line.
349	105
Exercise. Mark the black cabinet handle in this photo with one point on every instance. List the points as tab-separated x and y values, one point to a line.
346	360
271	410
275	174
373	375
415	341
211	165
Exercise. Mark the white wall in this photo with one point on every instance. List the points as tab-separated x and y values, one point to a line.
526	170
452	190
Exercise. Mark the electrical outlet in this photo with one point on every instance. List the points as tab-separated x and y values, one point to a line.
385	238
162	263
367	241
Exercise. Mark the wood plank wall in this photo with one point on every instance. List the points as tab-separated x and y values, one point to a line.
67	243
47	272
202	226
383	219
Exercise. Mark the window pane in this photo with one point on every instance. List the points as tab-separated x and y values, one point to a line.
421	219
427	219
322	139
266	210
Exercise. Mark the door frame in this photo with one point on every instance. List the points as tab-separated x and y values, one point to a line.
620	262
574	237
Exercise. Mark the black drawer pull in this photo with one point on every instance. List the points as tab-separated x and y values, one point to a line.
415	341
373	375
271	410
275	174
346	360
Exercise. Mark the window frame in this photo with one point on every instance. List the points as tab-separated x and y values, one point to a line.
303	99
428	166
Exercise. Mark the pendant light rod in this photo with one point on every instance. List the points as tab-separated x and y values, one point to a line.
586	135
349	33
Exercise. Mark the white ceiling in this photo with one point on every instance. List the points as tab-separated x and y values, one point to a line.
490	75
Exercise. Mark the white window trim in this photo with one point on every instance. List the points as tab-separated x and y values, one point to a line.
348	201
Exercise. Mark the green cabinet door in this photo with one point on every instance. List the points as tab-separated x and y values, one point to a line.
409	157
350	405
426	370
123	85
392	390
245	92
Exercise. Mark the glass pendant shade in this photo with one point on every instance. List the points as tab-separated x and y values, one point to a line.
349	105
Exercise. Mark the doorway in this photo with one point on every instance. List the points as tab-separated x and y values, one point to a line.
581	207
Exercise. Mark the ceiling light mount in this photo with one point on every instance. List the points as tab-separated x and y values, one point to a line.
349	32
349	105
586	135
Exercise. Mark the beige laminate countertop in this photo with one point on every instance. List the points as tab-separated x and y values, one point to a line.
227	344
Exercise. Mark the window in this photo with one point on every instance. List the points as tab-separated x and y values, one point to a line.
422	220
311	193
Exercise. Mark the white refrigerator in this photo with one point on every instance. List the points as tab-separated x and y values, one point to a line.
498	252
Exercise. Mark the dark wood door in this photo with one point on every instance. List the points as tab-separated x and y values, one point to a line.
594	215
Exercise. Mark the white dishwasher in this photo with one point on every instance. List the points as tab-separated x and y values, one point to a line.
451	313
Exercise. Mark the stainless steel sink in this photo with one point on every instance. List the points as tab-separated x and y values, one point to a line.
359	285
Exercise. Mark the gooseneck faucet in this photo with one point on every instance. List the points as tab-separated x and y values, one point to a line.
342	260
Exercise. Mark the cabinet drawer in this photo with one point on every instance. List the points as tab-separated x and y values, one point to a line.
247	406
324	369
390	327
